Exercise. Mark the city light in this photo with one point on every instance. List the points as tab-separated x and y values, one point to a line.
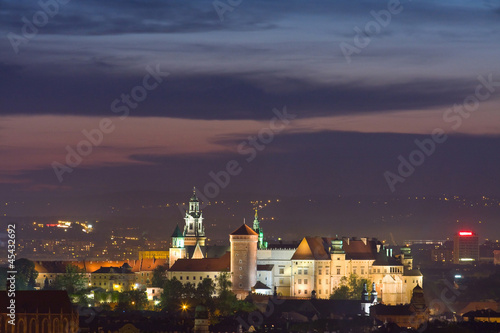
465	233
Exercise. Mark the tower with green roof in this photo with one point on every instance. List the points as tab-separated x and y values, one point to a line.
262	245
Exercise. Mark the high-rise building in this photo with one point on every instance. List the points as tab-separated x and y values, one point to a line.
466	247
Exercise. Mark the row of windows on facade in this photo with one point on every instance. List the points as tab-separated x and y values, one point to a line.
305	271
194	277
111	283
320	291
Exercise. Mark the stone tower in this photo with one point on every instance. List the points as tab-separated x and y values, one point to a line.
177	251
194	232
243	260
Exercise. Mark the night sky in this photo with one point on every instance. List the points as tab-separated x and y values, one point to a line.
205	89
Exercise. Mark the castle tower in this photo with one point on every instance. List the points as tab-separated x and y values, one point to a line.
337	255
256	226
406	257
194	232
243	260
177	251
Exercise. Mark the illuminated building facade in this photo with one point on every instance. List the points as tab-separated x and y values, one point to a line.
466	247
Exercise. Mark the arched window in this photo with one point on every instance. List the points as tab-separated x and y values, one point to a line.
21	326
45	326
55	326
33	325
66	327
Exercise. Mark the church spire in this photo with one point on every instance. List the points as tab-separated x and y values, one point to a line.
256	226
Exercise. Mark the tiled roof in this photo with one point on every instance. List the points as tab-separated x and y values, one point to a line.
203	265
244	230
318	248
260	285
44	267
55	301
265	267
108	270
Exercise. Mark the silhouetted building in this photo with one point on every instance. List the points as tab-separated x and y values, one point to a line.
44	311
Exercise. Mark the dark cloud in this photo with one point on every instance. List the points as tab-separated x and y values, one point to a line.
217	96
299	164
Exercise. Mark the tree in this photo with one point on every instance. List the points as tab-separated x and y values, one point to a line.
172	295
350	288
3	278
205	289
188	292
226	302
72	281
26	274
132	300
159	277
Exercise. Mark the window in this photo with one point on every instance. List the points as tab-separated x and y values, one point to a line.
241	285
305	271
187	277
300	271
319	271
300	281
354	270
241	268
181	277
319	281
282	281
305	291
241	276
282	270
241	261
338	271
362	270
300	291
327	271
320	291
305	281
200	278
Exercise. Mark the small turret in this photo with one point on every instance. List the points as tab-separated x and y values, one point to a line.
364	294
374	298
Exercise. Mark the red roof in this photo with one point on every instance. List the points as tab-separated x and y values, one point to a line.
92	266
203	265
244	230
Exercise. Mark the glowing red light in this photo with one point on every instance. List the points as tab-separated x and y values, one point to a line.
465	233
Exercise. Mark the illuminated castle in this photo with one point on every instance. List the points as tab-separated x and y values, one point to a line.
315	267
